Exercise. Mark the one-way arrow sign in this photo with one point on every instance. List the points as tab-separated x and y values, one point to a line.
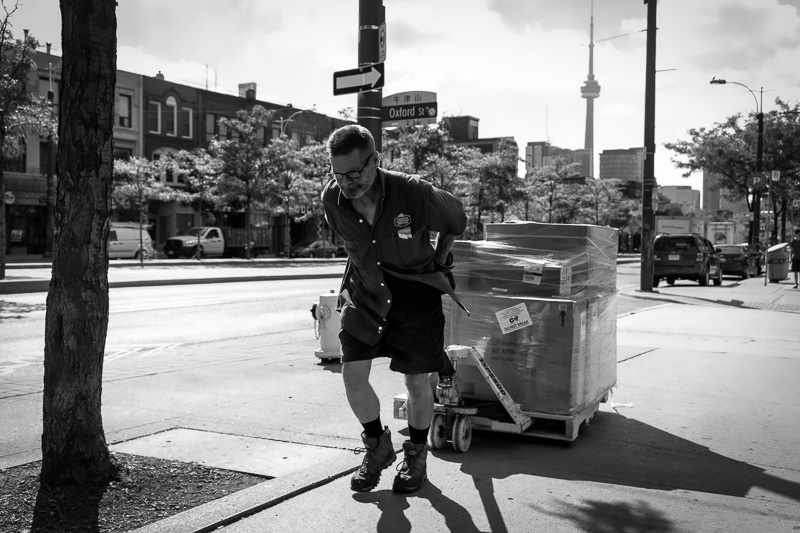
358	79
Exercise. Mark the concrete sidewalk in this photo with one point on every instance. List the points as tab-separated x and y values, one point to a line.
700	436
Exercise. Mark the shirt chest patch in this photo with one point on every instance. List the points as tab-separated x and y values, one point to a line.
402	220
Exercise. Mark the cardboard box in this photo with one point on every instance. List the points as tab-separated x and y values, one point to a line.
489	267
553	356
592	250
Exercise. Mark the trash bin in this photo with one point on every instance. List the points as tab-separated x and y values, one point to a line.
778	262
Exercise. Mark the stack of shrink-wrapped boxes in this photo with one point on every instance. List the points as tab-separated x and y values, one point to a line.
542	303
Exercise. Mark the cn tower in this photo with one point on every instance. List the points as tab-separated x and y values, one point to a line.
590	91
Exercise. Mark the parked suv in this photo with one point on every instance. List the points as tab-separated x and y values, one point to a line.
685	256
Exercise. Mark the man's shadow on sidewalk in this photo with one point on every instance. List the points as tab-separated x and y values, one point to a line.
613	450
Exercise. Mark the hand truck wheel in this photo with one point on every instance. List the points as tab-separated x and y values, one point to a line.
437	436
462	433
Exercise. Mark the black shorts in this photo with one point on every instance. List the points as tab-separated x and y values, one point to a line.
796	264
414	334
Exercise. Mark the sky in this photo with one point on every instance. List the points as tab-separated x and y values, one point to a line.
517	65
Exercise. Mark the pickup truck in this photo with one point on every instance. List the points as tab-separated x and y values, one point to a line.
218	241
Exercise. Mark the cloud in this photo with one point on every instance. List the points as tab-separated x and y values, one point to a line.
404	34
567	15
168	30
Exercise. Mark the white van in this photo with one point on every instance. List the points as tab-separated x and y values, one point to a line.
123	241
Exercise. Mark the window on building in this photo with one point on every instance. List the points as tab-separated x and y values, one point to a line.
153	116
211	124
45	88
124	110
296	137
43	148
185	122
16	162
262	136
309	138
223	131
123	154
276	132
171	117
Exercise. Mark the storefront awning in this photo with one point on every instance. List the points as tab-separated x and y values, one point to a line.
25	190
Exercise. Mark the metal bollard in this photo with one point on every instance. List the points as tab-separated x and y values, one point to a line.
329	324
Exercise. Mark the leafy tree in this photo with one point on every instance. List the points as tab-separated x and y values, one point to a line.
199	172
497	185
137	182
627	216
667	207
546	187
246	180
414	149
600	198
428	151
729	151
74	447
313	159
22	113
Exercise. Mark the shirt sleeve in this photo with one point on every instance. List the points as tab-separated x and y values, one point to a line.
445	212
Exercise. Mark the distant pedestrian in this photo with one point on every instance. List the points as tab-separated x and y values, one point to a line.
390	297
794	246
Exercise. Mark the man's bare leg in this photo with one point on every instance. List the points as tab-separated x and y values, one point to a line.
363	400
378	449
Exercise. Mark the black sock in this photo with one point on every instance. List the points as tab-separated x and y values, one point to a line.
373	429
418	436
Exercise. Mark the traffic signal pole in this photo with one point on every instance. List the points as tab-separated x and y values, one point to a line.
648	182
371	14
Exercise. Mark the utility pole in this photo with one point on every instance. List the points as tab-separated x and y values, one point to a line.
648	183
371	15
759	169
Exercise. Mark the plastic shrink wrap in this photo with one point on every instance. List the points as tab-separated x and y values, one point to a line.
542	301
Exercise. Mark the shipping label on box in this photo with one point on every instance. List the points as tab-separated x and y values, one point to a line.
532	273
513	318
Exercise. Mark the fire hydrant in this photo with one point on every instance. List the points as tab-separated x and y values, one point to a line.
328	324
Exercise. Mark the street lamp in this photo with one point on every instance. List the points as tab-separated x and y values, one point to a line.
285	121
755	232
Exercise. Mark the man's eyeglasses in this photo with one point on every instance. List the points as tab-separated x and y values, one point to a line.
353	174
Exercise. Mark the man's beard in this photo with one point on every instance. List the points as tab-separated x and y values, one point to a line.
354	192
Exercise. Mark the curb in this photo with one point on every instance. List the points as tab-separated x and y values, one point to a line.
29	286
225	511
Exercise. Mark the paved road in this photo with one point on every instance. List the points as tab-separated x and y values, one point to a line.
701	434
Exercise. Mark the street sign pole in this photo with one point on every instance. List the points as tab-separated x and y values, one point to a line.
371	29
648	181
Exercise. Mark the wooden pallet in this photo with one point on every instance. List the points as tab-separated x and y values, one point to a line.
540	425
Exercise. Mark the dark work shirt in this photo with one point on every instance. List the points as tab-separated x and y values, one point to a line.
398	241
794	247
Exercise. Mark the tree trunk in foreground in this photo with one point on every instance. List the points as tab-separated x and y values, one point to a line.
74	448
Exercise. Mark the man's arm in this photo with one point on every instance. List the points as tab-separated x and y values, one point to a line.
443	245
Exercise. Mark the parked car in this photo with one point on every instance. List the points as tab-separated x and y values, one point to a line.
127	241
738	259
316	248
685	256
